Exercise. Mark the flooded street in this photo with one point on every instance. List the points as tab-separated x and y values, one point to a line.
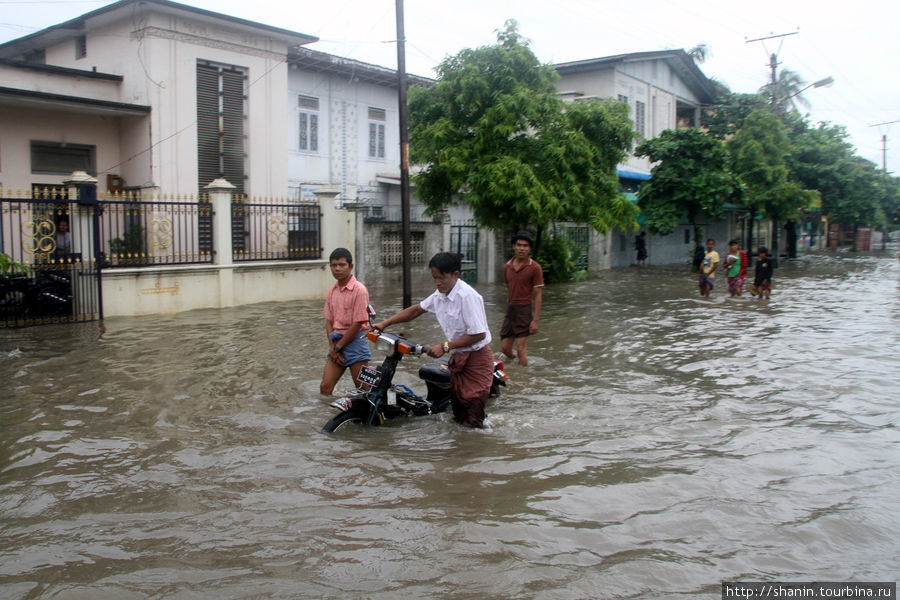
658	445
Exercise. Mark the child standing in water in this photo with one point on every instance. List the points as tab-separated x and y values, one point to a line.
762	280
734	268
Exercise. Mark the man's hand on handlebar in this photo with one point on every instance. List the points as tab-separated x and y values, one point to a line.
436	351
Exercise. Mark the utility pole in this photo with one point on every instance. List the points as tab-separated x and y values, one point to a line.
404	155
773	62
884	233
773	67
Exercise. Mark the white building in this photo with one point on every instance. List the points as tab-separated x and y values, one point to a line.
664	90
148	94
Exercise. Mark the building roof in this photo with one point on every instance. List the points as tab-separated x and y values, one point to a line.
111	12
313	60
678	60
63	102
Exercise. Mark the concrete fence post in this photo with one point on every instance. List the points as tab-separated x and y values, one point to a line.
223	253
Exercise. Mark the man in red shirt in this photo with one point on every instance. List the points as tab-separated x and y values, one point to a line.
346	323
525	280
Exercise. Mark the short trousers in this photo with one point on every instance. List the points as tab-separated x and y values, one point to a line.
354	352
706	280
735	283
517	322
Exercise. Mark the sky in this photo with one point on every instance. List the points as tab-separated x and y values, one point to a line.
857	44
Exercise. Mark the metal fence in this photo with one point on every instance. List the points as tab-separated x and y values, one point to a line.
275	231
48	270
136	231
464	241
53	249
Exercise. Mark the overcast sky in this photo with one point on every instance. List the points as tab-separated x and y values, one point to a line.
856	43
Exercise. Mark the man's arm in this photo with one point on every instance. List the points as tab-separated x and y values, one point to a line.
405	315
537	299
462	341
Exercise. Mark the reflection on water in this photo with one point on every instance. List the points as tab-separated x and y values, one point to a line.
657	445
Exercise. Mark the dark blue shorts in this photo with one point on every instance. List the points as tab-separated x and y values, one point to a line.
354	352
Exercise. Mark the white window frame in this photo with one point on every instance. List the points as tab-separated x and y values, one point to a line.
377	133
308	124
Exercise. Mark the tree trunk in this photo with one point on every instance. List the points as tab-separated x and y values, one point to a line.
749	245
790	234
775	236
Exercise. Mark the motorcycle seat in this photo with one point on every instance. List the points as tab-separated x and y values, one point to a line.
436	372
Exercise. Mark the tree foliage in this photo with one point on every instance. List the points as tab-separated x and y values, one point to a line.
786	94
690	177
727	116
493	133
759	152
852	191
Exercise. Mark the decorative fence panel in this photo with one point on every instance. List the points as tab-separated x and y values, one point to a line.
137	231
277	231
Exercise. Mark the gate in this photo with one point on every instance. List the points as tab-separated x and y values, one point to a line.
464	241
48	267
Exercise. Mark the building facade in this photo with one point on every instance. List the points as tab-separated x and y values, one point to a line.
663	90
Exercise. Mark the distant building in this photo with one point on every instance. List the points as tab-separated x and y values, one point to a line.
663	90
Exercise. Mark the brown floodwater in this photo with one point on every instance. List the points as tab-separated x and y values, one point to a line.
658	445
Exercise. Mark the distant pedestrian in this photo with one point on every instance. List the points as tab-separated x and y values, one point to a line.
708	268
524	279
735	268
640	245
346	322
762	281
697	260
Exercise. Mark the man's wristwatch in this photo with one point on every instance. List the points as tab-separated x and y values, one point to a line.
446	347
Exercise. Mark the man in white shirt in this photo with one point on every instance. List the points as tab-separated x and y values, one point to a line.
460	312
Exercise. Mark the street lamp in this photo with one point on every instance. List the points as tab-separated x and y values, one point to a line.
826	82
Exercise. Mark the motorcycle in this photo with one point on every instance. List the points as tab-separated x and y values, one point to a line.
379	400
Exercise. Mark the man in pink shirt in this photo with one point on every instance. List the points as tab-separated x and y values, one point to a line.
346	323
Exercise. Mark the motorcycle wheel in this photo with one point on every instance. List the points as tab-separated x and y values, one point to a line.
343	419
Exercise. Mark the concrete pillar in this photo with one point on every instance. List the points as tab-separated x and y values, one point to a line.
338	226
220	192
83	189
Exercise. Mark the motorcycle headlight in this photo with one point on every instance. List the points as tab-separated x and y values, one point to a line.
386	343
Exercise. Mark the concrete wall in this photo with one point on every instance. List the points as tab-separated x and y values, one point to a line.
674	249
150	290
164	290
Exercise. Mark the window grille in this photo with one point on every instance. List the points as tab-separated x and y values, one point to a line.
392	248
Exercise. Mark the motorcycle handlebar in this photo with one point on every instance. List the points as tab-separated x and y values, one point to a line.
403	346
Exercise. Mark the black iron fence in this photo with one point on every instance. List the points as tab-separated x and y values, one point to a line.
53	249
275	231
48	270
464	241
139	232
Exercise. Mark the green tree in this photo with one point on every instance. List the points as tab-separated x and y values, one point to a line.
699	53
852	190
493	133
759	153
690	177
727	116
786	93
